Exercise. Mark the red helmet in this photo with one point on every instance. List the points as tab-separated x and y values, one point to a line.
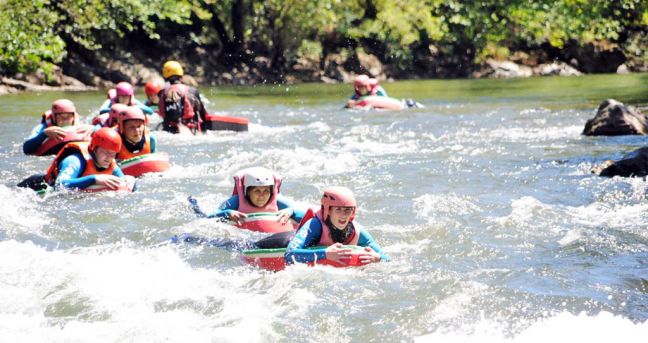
337	196
106	138
124	89
131	113
152	88
115	110
63	106
360	81
111	93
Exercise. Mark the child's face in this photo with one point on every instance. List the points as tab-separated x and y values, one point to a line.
340	216
133	130
259	195
104	157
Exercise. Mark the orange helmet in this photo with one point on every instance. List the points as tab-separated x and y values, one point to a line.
152	88
337	196
106	138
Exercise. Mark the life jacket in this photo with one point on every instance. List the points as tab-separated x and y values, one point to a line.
72	148
125	154
327	239
175	106
244	204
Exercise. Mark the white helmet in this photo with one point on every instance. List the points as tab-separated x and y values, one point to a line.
257	177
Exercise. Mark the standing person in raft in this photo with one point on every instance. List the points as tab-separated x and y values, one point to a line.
332	227
179	105
136	138
363	86
125	94
58	126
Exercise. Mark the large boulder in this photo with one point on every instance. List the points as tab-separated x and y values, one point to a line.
633	164
614	119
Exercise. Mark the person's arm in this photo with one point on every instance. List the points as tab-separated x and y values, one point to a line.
307	236
118	172
381	91
226	208
144	108
153	141
70	169
105	107
366	240
35	139
284	203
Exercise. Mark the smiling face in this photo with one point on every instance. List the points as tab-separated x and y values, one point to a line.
340	216
133	130
104	157
259	195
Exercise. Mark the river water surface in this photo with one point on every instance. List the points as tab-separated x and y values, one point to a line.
483	199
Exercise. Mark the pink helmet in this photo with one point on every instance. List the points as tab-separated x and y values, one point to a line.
337	196
115	111
111	93
360	81
63	106
373	82
106	138
131	113
124	89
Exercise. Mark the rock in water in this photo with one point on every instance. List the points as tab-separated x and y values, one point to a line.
614	119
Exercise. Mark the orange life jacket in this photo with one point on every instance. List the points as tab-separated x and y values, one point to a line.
125	154
72	148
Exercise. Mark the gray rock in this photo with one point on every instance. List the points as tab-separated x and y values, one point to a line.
614	119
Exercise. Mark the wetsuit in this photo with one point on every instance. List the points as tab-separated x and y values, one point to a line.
225	209
309	235
35	139
72	167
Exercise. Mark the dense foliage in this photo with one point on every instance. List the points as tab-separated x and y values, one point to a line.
407	36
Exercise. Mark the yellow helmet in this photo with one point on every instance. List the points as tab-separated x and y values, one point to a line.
172	68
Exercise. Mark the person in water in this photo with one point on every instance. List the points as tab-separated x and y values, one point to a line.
363	85
136	138
257	190
151	89
125	94
179	105
332	227
80	165
48	137
110	119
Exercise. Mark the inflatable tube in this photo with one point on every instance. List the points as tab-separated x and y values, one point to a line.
220	123
51	146
148	163
266	222
129	187
380	102
273	259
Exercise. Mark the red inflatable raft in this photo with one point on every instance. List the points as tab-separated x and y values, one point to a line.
128	187
149	163
266	222
380	102
273	259
220	123
51	146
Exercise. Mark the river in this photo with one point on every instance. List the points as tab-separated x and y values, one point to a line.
484	200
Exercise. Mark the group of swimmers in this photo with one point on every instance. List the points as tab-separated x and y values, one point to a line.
88	155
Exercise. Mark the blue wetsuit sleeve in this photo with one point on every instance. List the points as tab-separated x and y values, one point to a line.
354	97
153	143
144	108
283	203
35	139
226	208
307	236
105	107
118	172
70	169
366	240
